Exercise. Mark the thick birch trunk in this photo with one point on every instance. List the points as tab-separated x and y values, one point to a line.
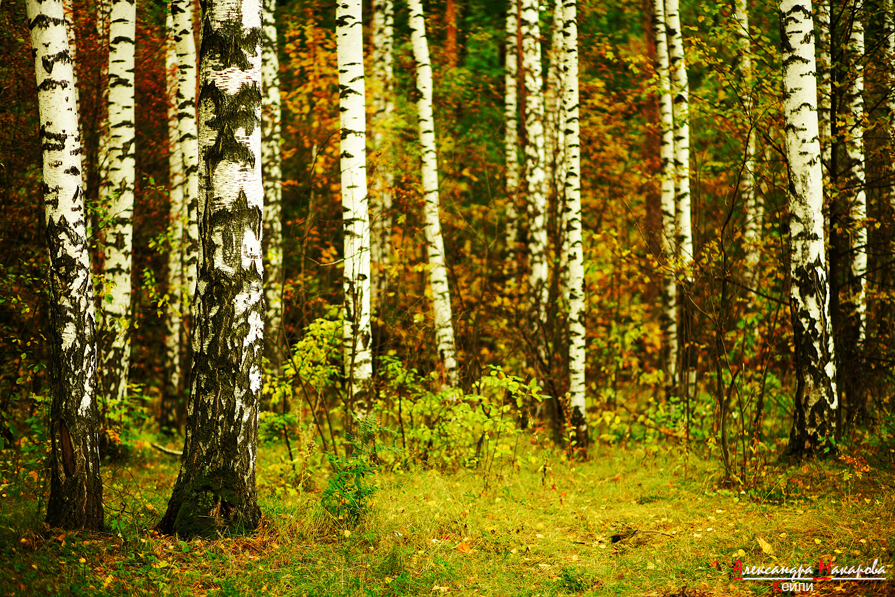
173	313
118	261
357	337
534	165
441	296
752	228
572	193
384	178
271	161
185	45
511	115
215	490
857	194
76	489
666	179
815	398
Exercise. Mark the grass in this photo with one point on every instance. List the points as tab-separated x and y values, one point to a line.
546	528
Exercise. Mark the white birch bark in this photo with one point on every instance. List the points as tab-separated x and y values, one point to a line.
119	233
816	395
511	116
185	46
383	105
534	162
577	331
271	161
667	203
75	482
680	89
215	489
357	336
857	195
752	228
438	280
174	308
554	117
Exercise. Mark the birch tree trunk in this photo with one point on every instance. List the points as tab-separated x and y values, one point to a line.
271	162
666	179
185	45
825	89
384	178
357	336
534	165
554	116
438	280
857	194
215	490
118	261
680	89
76	489
889	32
754	214
168	418
511	115
577	332
816	397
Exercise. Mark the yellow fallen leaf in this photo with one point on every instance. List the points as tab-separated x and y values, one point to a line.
464	547
765	546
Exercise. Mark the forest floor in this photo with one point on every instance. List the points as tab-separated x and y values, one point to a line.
546	526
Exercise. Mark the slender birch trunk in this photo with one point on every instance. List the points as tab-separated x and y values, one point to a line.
384	177
215	490
534	164
554	117
577	332
441	296
511	115
174	310
271	167
185	45
680	89
357	336
816	397
666	180
825	90
752	228
118	261
857	194
76	488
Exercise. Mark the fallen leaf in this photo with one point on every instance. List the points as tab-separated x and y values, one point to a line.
765	546
464	547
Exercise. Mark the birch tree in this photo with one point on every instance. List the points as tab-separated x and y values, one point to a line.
76	489
175	236
118	261
666	179
572	190
357	336
215	490
754	213
511	116
438	280
535	175
889	33
554	117
185	46
816	397
271	167
383	105
854	146
680	90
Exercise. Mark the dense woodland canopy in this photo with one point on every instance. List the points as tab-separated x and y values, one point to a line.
732	387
